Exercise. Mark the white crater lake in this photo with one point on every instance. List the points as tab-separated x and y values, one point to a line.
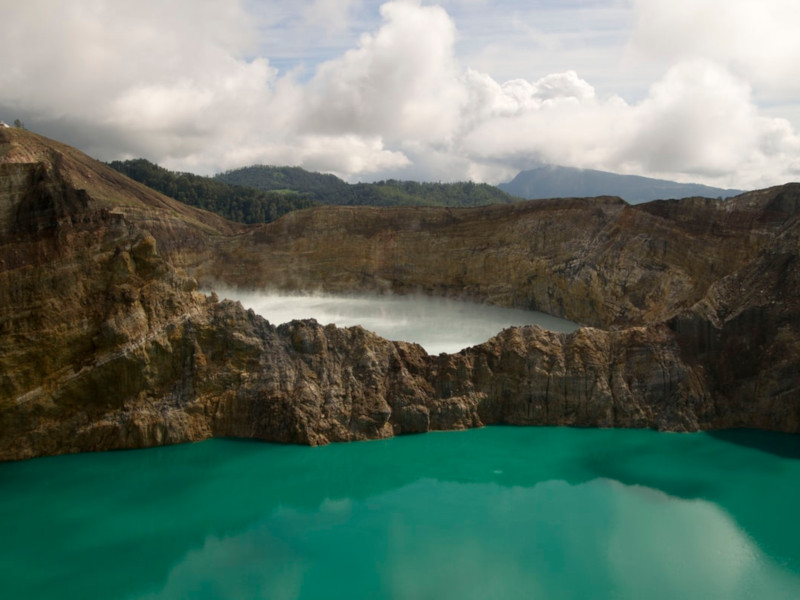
437	324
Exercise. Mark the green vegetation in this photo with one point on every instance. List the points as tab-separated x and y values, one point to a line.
261	194
463	193
328	189
242	204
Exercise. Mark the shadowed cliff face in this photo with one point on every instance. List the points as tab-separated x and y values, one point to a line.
105	342
596	261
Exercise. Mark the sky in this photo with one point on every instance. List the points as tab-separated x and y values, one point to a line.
703	91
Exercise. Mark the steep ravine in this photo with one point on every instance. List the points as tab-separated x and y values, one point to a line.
106	343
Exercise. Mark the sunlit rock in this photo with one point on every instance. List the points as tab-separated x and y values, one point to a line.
105	341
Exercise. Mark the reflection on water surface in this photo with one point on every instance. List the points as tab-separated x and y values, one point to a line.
494	513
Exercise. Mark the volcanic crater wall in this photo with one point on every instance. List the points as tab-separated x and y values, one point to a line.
691	309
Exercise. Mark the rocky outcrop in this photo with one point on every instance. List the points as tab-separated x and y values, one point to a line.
596	261
105	341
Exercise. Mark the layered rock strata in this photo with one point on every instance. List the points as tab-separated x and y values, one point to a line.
106	343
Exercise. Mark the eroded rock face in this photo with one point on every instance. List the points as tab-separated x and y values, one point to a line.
596	261
105	341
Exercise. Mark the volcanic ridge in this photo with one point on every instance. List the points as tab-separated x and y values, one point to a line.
690	311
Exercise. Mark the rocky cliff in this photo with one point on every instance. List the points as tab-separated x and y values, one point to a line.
105	341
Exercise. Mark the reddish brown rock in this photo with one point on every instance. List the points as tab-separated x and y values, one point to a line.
106	343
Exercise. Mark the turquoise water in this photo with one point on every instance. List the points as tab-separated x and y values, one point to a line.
499	512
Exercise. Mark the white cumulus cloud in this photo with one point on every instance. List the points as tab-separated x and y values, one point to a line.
184	84
400	83
755	39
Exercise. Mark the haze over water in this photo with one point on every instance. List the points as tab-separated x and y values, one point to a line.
437	324
499	512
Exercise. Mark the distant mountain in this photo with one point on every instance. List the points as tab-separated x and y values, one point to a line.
328	189
566	182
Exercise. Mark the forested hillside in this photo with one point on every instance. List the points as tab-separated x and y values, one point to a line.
261	194
328	189
398	193
237	203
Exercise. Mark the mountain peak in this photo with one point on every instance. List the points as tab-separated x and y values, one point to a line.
552	181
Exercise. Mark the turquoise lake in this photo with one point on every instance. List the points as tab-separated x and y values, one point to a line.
501	512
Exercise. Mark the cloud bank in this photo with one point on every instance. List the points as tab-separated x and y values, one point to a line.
185	84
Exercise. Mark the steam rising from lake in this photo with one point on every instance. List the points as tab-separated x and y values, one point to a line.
437	324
